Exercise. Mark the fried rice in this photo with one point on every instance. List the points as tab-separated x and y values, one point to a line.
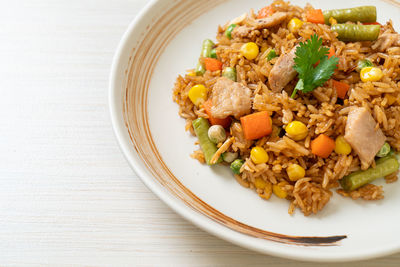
320	110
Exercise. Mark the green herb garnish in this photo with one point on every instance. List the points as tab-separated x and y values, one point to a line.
308	54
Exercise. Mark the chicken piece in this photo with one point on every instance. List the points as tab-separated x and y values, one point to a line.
282	72
241	31
386	41
238	20
230	98
270	21
363	135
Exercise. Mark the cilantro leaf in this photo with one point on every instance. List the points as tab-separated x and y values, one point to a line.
308	54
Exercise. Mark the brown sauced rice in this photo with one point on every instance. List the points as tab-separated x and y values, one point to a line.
319	110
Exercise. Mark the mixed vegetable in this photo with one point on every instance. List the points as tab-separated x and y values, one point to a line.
314	65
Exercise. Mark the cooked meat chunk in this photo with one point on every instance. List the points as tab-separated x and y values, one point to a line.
230	98
273	20
270	21
282	72
386	41
241	32
238	20
363	135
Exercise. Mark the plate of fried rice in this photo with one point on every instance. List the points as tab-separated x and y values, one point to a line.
274	125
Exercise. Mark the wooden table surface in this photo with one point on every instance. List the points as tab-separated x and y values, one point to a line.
67	195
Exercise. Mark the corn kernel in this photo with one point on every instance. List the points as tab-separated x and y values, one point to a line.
260	183
249	50
198	94
295	24
290	36
296	130
278	190
295	172
390	99
267	191
371	74
258	155
332	21
341	146
192	73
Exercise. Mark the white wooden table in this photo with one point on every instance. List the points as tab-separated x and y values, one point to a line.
67	195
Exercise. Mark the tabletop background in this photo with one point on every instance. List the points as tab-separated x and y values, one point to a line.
67	195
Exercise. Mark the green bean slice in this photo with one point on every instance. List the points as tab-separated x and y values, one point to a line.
384	166
354	33
201	126
355	14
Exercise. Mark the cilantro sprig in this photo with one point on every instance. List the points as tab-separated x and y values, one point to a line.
308	54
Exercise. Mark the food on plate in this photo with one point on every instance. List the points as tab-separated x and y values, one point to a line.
298	102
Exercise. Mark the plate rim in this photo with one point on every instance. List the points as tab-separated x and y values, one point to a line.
186	212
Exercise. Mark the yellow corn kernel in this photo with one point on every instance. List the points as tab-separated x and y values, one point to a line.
390	99
290	36
278	190
258	155
295	24
198	94
260	183
332	21
371	74
296	130
295	172
192	73
341	146
267	191
249	50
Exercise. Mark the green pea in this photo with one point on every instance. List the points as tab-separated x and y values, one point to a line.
384	151
236	165
213	53
229	73
206	48
200	69
272	54
363	64
228	32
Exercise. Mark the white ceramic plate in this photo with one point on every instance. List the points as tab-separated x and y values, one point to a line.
164	41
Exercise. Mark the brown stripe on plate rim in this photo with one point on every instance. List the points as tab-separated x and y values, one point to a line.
136	120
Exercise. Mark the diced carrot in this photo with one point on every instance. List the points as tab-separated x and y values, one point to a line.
215	121
331	52
315	16
341	88
256	125
322	146
212	64
265	12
